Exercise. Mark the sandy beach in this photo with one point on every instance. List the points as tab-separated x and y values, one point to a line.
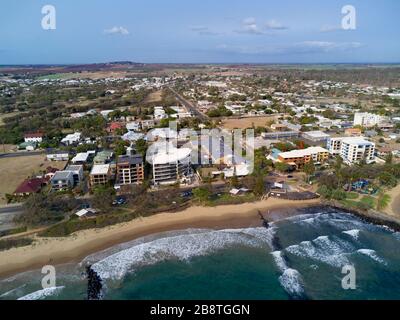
74	248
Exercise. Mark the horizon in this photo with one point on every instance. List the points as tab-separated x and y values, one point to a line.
234	32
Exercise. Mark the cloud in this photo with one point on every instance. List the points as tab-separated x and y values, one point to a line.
249	26
204	31
117	30
275	25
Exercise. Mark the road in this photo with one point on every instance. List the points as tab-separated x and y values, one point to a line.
7	215
190	106
21	154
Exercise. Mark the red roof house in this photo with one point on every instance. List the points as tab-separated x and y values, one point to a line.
30	186
114	126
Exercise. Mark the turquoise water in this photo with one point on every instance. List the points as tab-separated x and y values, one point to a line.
296	258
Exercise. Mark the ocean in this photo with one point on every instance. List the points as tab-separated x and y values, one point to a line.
300	257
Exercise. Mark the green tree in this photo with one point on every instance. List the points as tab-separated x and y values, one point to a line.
103	197
259	188
282	166
201	194
309	169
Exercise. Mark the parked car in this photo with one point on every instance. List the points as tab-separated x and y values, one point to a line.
119	201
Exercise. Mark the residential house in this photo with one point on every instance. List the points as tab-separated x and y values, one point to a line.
71	139
30	186
62	180
36	137
77	172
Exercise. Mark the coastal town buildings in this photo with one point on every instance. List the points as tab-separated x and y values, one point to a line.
100	175
170	164
130	170
352	149
366	119
299	158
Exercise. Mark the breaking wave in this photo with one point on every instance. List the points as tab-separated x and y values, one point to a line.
355	233
182	246
41	294
323	249
290	279
373	255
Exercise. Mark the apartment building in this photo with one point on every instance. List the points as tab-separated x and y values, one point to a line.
299	158
100	175
171	165
130	169
352	149
366	119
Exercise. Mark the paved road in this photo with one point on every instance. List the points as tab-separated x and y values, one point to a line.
21	154
7	215
11	209
190	106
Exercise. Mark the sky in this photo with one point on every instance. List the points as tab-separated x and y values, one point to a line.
201	31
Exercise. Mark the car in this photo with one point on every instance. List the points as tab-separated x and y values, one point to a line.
119	201
186	194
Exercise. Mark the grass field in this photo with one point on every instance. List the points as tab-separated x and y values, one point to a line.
14	170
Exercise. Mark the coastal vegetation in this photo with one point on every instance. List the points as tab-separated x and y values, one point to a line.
343	185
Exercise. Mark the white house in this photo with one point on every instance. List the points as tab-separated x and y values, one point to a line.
34	137
72	138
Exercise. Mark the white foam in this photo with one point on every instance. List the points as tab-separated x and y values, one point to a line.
373	255
41	294
323	249
280	262
355	233
181	246
291	281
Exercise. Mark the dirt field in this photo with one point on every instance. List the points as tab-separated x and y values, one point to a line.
245	123
14	170
154	97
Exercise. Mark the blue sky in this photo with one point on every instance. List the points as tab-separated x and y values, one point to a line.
206	31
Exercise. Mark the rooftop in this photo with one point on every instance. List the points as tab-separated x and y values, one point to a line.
100	169
303	152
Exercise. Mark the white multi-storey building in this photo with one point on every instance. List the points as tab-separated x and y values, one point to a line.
352	149
170	164
366	119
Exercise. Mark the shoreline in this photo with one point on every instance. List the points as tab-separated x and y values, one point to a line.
76	247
